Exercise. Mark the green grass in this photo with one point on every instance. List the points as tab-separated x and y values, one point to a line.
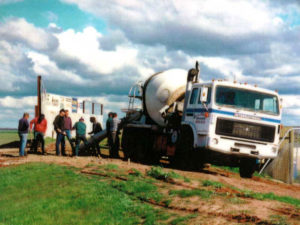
50	194
227	168
184	193
270	196
8	136
157	172
109	167
215	184
135	172
278	220
236	170
142	190
236	200
49	140
182	219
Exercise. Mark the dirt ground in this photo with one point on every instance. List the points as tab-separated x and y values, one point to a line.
219	210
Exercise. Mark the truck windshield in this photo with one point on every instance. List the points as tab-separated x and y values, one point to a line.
249	100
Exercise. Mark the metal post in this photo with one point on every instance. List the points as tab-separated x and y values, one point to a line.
291	157
39	103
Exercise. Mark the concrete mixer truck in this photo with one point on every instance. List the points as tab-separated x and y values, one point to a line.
191	123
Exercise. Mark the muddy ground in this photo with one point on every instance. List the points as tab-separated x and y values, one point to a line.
228	206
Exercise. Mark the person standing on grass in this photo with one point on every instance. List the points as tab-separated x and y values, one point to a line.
60	134
96	129
108	131
23	133
68	129
114	130
40	127
80	128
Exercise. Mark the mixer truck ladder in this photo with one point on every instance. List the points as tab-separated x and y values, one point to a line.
134	93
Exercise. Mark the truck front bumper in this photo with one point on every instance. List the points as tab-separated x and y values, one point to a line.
242	148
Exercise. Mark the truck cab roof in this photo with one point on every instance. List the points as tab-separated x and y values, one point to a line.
236	84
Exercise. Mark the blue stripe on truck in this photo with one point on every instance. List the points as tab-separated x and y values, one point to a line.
201	110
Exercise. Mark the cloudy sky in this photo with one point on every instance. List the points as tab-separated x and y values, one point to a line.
98	49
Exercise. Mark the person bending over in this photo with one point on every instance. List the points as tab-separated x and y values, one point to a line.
96	129
80	128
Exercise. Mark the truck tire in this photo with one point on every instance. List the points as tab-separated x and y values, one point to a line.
128	143
137	145
247	167
184	151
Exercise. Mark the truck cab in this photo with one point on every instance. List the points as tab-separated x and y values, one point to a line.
234	118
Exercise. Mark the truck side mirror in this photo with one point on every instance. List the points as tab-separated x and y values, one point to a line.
203	94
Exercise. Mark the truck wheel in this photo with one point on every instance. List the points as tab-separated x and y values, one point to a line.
247	167
128	143
183	155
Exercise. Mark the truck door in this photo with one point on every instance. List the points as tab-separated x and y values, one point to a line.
192	105
202	110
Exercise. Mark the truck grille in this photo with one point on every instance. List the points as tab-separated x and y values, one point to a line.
246	130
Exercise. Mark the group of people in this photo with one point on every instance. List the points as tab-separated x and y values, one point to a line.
63	127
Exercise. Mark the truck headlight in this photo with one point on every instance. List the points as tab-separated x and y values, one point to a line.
215	141
274	149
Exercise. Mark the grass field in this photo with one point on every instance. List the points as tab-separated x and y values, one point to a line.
8	136
12	135
50	194
40	193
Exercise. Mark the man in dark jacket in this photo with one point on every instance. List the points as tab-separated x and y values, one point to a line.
23	133
96	129
59	128
108	128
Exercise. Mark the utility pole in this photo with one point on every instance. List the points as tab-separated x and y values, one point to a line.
39	97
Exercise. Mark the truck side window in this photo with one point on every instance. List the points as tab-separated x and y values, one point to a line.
194	96
208	96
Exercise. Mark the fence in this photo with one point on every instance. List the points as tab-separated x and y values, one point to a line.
285	166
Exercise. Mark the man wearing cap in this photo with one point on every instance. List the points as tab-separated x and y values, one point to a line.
80	128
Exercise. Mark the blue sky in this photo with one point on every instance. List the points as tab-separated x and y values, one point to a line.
43	12
98	49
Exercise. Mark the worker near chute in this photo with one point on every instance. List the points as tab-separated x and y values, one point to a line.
40	127
80	128
96	129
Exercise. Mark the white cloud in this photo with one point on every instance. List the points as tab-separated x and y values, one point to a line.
18	103
85	48
206	27
18	30
229	17
230	68
47	68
